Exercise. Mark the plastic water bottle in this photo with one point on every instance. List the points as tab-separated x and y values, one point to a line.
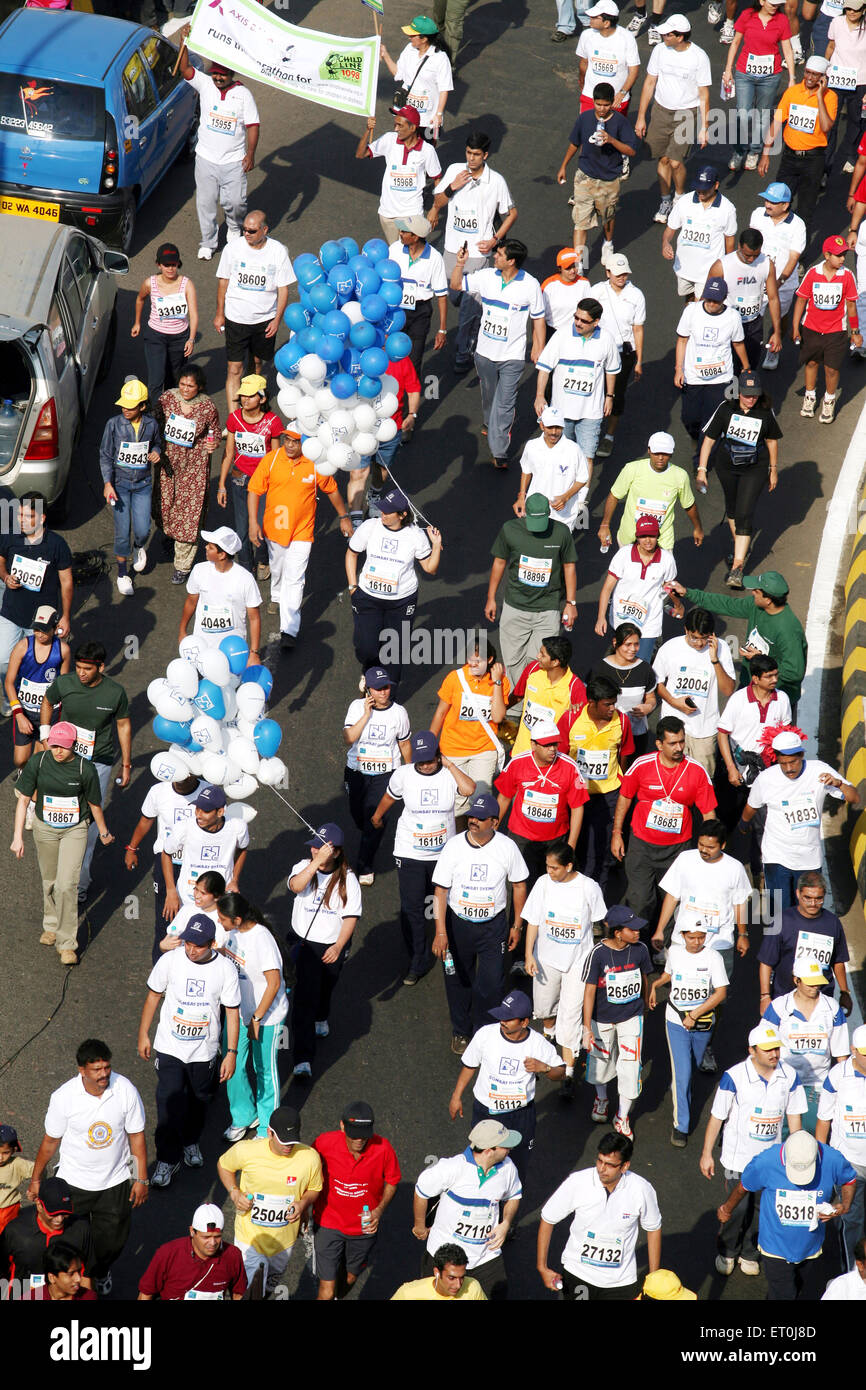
605	548
557	1284
448	962
366	1218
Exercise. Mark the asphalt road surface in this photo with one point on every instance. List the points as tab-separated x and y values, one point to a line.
389	1044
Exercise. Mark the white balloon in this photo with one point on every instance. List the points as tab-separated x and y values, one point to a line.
309	388
247	728
325	400
349	402
325	469
157	688
353	461
339	454
169	702
284	381
365	416
313	369
287	400
364	443
167	768
243	787
214	666
191	649
386	404
213	766
313	448
352	310
341	423
244	752
251	704
233	772
241	812
271	771
230	700
325	436
191	762
207	732
386	430
182	674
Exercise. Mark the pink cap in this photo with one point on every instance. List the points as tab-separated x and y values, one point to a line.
62	735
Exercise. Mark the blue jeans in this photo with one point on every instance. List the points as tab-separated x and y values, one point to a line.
821	34
754	95
850	1226
686	1048
567	14
131	510
778	879
585	433
852	104
647	648
242	523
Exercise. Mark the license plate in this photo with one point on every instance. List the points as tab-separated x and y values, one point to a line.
26	207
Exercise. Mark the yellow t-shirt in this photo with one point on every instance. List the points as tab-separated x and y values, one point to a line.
541	701
12	1175
272	1181
422	1291
596	751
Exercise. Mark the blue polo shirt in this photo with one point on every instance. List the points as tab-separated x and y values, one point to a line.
817	938
602	161
785	1216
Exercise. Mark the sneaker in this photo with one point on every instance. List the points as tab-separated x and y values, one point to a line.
366	880
374	495
163	1174
665	209
599	1111
103	1286
734	580
566	1090
140	562
750	1267
678	1139
654	36
29	817
273	607
606	251
192	1156
179	577
626	167
771	361
322	1029
725	1264
727	31
714	13
68	958
558	37
459	1044
808	407
735	162
604	448
752	161
637	22
708	1061
263	572
847	167
205	253
828	410
124	585
287	642
411	978
622	1125
235	1133
303	1073
796	45
47	938
461	366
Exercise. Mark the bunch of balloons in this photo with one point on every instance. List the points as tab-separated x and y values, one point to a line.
210	710
346	331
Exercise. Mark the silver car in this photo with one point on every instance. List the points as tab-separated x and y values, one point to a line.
58	325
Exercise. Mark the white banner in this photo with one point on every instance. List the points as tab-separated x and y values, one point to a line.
331	71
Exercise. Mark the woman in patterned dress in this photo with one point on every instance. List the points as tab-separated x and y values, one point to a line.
191	429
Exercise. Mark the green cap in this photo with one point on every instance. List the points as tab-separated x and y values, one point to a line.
769	582
537	512
421	24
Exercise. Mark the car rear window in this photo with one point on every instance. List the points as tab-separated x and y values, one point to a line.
43	109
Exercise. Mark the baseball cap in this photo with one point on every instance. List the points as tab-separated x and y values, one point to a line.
551	417
647	526
207	1217
9	1136
835	246
618	264
537	516
716	290
816	64
132	393
788	742
292	429
408	113
377	678
800	1157
706	177
602	7
62	735
545	731
622	916
484	807
769	582
210	798
776	193
858	1038
55	1194
329	833
750	383
167	254
394	501
567	256
661	443
199	929
421	24
514	1005
221	68
224	538
765	1037
663	1285
418	225
358	1120
253	384
490	1134
810	974
45	617
285	1123
425	746
676	24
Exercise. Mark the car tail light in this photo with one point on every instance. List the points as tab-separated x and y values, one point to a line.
45	442
110	156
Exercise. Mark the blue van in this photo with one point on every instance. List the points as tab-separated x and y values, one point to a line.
91	118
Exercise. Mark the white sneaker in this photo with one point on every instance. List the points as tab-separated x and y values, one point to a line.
725	1264
366	880
735	163
749	1266
163	1174
140	561
847	167
828	410
606	251
636	23
770	362
654	36
665	209
124	584
205	253
752	161
808	408
322	1029
797	47
192	1156
234	1133
103	1286
727	31
714	13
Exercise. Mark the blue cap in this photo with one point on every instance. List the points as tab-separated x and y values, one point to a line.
394	501
776	193
706	177
211	799
425	746
621	916
199	930
514	1005
377	678
484	806
329	833
716	290
9	1136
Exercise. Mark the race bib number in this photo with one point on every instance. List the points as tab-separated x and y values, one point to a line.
690	989
216	617
601	1251
409	294
666	817
268	1210
535	573
475	1226
465	222
747	308
61	812
842	79
651	506
222	122
693	681
199	1296
622	986
593	764
759	643
764	1129
579	379
562	928
826	295
476	903
250	444
29	572
801	813
429	838
854	1126
743	429
31	694
189	1025
604	67
475	708
422	101
797	1207
494	324
382	576
760	64
506	1095
812	948
804	1041
802	118
535	713
539	806
690	235
85	742
171	306
709	368
244	278
133	454
373	759
180	429
403	179
629	610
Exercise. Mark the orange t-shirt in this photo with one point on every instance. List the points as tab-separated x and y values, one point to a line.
289	486
799	109
464	738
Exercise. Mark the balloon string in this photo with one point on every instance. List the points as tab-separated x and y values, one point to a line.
297	813
415	509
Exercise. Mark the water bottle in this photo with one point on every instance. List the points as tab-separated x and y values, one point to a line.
365	1217
211	438
448	962
605	548
557	1284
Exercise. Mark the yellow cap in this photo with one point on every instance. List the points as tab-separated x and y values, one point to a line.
252	385
132	393
664	1286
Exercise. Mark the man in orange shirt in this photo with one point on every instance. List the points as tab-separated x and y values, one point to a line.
472	703
289	483
807	112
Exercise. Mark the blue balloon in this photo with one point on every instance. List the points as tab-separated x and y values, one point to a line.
331	253
369	387
210	700
392	293
309	274
323	297
296	318
388	270
193	747
398	346
374	362
319	321
373	307
331	349
288	356
393	322
311	339
306	258
362	334
337	324
171	731
376	249
349	245
305	300
258	675
359	262
343	385
351	362
342	279
236	652
367	282
267	736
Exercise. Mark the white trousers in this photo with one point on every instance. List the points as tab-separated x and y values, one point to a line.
288	571
560	993
616	1051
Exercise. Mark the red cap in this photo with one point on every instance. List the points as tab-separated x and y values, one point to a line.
835	246
646	526
409	113
222	69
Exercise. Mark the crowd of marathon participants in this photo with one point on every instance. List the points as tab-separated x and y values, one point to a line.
572	850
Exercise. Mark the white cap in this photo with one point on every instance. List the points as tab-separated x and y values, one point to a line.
675	24
227	539
545	731
602	7
550	416
617	264
858	1038
816	64
787	743
800	1157
764	1037
207	1215
811	973
661	443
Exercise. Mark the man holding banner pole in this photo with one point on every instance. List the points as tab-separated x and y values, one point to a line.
410	162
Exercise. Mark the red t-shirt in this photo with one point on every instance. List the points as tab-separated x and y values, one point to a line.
176	1269
661	813
825	299
761	40
269	429
543	797
351	1181
576	695
407	379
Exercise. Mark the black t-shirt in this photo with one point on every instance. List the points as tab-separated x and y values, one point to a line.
23	1243
743	432
37	568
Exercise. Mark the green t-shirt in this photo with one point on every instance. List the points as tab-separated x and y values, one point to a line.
93	710
64	784
779	635
533	564
644	491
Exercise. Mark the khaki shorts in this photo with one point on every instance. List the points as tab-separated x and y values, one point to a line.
594	200
665	131
687	289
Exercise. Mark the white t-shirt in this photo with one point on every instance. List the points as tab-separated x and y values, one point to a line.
702	230
560	299
222	133
427	819
810	1044
564	914
708	356
579	365
201	850
389	569
603	1235
706	893
224	599
741	719
621	311
477	876
187	910
847	1288
468	1209
472	208
189	1019
746	284
502	1082
254	273
679	74
317	920
781	240
608	58
694	977
377	750
406	174
753	1110
94	1149
422	278
254	951
792	834
689	673
554	471
433	78
843	1102
506	308
638	596
169	809
860	251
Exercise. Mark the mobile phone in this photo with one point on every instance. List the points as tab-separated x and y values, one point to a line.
690	702
465	247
